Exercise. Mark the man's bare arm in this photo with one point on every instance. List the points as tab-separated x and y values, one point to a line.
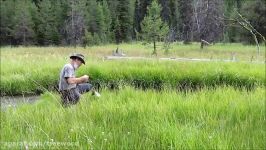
79	80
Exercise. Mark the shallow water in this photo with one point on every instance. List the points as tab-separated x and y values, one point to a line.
14	101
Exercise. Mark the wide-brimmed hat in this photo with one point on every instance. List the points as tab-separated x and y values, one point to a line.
78	56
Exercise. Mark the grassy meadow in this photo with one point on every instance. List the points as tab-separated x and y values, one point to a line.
145	104
223	118
33	70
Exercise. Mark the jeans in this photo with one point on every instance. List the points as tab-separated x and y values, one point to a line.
84	87
72	96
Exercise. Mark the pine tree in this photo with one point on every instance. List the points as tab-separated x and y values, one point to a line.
91	17
122	17
153	28
97	26
174	22
46	22
23	31
7	21
48	27
58	14
107	21
117	31
185	9
139	14
75	27
166	12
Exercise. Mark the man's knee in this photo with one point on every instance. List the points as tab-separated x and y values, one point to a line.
71	96
85	87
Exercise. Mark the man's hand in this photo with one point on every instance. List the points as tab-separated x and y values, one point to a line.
85	78
79	80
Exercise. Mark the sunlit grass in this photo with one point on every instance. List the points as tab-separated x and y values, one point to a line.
217	51
32	75
201	105
30	70
224	118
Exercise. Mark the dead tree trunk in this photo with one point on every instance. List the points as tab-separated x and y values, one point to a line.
203	42
154	48
247	25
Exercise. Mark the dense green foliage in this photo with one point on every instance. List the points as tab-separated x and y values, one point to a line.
153	28
93	22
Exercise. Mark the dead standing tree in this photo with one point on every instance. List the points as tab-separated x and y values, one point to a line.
75	26
244	23
206	25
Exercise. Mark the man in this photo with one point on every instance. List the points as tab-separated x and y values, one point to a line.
70	86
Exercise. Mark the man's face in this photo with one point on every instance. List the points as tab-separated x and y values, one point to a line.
78	62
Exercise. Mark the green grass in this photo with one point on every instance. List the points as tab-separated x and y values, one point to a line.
217	51
31	78
30	70
200	105
223	118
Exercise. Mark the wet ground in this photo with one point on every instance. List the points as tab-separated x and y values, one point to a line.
14	101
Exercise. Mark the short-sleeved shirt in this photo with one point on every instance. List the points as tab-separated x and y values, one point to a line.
67	71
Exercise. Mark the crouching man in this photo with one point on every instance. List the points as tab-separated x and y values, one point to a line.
70	86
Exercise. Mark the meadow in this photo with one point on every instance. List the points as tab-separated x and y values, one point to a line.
223	118
33	70
145	104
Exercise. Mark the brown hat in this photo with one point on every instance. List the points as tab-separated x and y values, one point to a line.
78	56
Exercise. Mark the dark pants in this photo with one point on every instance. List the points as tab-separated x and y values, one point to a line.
72	96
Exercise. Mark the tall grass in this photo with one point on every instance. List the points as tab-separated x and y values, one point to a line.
35	76
30	70
223	118
219	115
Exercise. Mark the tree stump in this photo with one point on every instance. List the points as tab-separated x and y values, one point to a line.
204	43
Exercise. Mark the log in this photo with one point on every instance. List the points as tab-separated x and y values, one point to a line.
204	43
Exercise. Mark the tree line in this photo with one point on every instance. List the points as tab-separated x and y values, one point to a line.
95	22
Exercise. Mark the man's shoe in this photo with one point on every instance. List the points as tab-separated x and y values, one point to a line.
96	94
